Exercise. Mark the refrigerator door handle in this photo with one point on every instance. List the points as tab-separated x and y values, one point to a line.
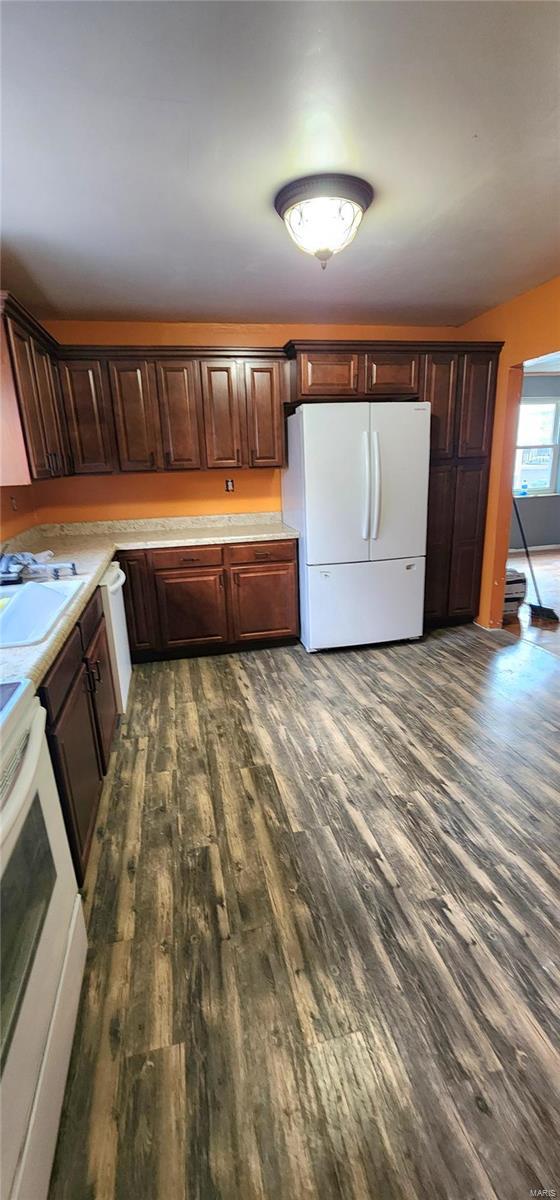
377	491
367	480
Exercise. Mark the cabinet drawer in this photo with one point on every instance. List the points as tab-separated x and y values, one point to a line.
188	556
253	552
58	681
90	618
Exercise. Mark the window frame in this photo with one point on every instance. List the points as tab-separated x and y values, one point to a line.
554	487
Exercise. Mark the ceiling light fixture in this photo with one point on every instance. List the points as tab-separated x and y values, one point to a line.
322	212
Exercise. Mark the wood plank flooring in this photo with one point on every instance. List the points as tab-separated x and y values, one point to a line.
546	565
323	921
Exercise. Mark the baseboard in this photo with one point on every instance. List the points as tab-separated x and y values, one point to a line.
550	546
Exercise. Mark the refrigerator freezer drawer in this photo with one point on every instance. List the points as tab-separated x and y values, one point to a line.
355	604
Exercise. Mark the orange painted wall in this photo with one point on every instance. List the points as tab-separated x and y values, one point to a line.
529	326
186	493
14	522
185	333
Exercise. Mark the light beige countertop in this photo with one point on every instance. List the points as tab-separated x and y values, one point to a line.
92	545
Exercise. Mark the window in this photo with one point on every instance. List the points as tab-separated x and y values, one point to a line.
26	888
538	445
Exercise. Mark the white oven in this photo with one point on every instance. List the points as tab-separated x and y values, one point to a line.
42	948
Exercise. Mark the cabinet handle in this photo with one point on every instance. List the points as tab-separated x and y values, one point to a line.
167	458
152	459
97	666
238	456
236	579
221	579
263	554
89	681
191	558
50	462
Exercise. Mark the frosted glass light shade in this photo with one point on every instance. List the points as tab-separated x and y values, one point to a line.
322	212
323	226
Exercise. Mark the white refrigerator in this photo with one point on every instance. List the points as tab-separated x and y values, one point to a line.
356	489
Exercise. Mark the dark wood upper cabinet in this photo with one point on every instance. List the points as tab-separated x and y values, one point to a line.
329	373
440	390
441	499
49	404
392	373
264	601
136	415
180	406
21	348
467	540
98	663
191	606
265	391
88	416
221	396
476	404
138	599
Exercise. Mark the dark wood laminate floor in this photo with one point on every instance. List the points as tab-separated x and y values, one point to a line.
324	931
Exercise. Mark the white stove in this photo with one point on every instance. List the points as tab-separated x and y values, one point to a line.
42	947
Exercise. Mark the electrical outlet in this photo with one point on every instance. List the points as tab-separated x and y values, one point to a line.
230	487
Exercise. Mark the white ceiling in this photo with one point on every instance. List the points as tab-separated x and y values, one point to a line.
144	143
548	364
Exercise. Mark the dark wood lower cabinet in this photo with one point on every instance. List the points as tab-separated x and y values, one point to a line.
441	500
205	596
98	664
191	607
264	601
79	696
468	538
139	600
75	754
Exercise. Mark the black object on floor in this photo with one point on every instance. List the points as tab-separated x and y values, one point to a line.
539	611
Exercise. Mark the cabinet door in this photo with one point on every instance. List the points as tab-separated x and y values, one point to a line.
440	390
136	418
264	601
138	600
191	606
88	416
392	373
222	413
265	391
49	406
468	538
441	498
21	347
74	750
476	407
180	406
98	663
329	373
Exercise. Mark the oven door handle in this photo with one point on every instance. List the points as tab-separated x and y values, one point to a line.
24	779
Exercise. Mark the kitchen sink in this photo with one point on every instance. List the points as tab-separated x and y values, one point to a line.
28	611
